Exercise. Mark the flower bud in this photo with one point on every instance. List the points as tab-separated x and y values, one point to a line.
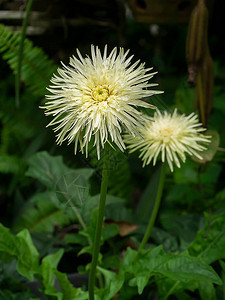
204	89
196	39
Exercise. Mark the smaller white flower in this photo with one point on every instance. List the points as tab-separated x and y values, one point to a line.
173	135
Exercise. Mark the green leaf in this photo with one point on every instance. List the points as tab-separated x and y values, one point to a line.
140	282
113	283
111	262
47	169
22	248
169	241
68	290
72	238
209	243
89	232
181	267
167	287
222	264
71	186
111	211
51	171
183	194
28	258
182	227
8	242
185	268
43	215
109	231
72	189
48	268
207	290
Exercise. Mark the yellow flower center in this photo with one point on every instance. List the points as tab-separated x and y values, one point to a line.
100	93
166	132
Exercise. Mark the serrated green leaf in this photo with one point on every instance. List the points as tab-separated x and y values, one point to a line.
207	290
43	215
68	290
209	243
8	242
185	268
140	281
48	268
22	248
28	258
181	267
36	75
113	283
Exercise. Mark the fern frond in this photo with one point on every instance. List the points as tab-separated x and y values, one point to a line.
20	54
37	68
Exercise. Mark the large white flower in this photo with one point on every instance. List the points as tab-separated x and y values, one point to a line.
97	96
172	135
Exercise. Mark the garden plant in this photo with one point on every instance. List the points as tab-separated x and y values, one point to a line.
112	170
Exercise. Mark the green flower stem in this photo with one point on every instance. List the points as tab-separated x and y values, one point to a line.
20	54
155	209
98	230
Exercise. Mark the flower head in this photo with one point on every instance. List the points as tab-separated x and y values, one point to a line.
172	135
97	96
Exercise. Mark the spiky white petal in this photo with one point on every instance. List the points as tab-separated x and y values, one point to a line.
97	96
173	135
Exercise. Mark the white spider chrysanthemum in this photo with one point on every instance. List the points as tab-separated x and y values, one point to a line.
97	96
173	135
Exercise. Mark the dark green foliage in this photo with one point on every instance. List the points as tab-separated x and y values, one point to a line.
42	214
49	197
209	243
22	248
119	171
36	67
